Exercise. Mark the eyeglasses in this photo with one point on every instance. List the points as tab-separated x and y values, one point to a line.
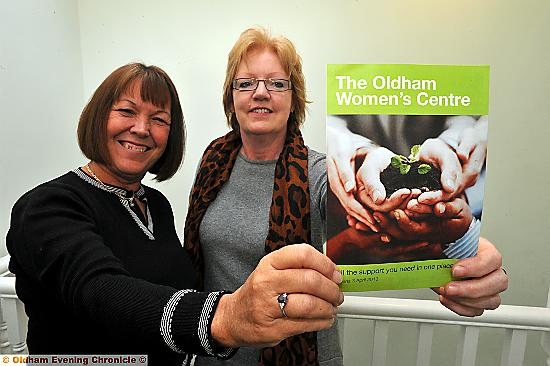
250	84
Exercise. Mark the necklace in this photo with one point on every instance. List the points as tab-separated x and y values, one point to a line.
130	200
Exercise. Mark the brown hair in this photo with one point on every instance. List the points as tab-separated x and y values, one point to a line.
254	38
156	88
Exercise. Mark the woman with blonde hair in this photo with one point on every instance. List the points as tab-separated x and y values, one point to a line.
260	188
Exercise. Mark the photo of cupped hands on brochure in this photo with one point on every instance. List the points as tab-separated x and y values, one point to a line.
404	188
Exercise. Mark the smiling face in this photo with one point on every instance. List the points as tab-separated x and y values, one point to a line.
262	112
137	135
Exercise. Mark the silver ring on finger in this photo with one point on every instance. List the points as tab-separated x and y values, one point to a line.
282	299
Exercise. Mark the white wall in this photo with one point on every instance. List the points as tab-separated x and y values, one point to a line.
191	43
41	96
43	89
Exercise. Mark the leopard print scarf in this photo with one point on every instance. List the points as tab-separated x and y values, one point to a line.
289	221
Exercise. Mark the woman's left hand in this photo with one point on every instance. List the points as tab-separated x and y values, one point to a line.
481	291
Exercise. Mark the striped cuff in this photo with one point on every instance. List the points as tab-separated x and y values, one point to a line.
466	246
205	323
166	321
187	320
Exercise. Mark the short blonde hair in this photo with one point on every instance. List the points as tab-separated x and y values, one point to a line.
254	38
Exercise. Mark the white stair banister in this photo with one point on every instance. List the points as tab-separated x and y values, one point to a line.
515	321
428	311
13	310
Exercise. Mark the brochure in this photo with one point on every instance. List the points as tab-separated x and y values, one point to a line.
406	151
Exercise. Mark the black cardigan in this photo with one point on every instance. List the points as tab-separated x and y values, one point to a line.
93	282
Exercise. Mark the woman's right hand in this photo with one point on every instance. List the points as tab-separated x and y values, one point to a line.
251	316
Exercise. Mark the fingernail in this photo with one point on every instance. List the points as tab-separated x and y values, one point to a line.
337	277
459	271
369	219
348	186
441	207
341	298
385	238
396	215
377	218
375	229
451	290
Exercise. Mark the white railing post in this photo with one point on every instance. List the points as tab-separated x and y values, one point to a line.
380	343
467	346
12	309
513	348
4	342
7	288
424	348
14	314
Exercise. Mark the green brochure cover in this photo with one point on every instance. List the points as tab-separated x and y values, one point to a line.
406	152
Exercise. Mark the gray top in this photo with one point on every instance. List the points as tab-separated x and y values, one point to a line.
233	232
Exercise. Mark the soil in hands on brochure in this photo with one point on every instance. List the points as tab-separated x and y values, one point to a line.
409	172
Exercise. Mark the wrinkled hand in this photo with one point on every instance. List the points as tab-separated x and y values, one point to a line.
481	291
251	315
371	191
448	222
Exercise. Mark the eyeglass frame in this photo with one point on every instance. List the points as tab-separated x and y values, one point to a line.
271	80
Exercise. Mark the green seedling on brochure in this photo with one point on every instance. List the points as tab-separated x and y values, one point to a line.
403	163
